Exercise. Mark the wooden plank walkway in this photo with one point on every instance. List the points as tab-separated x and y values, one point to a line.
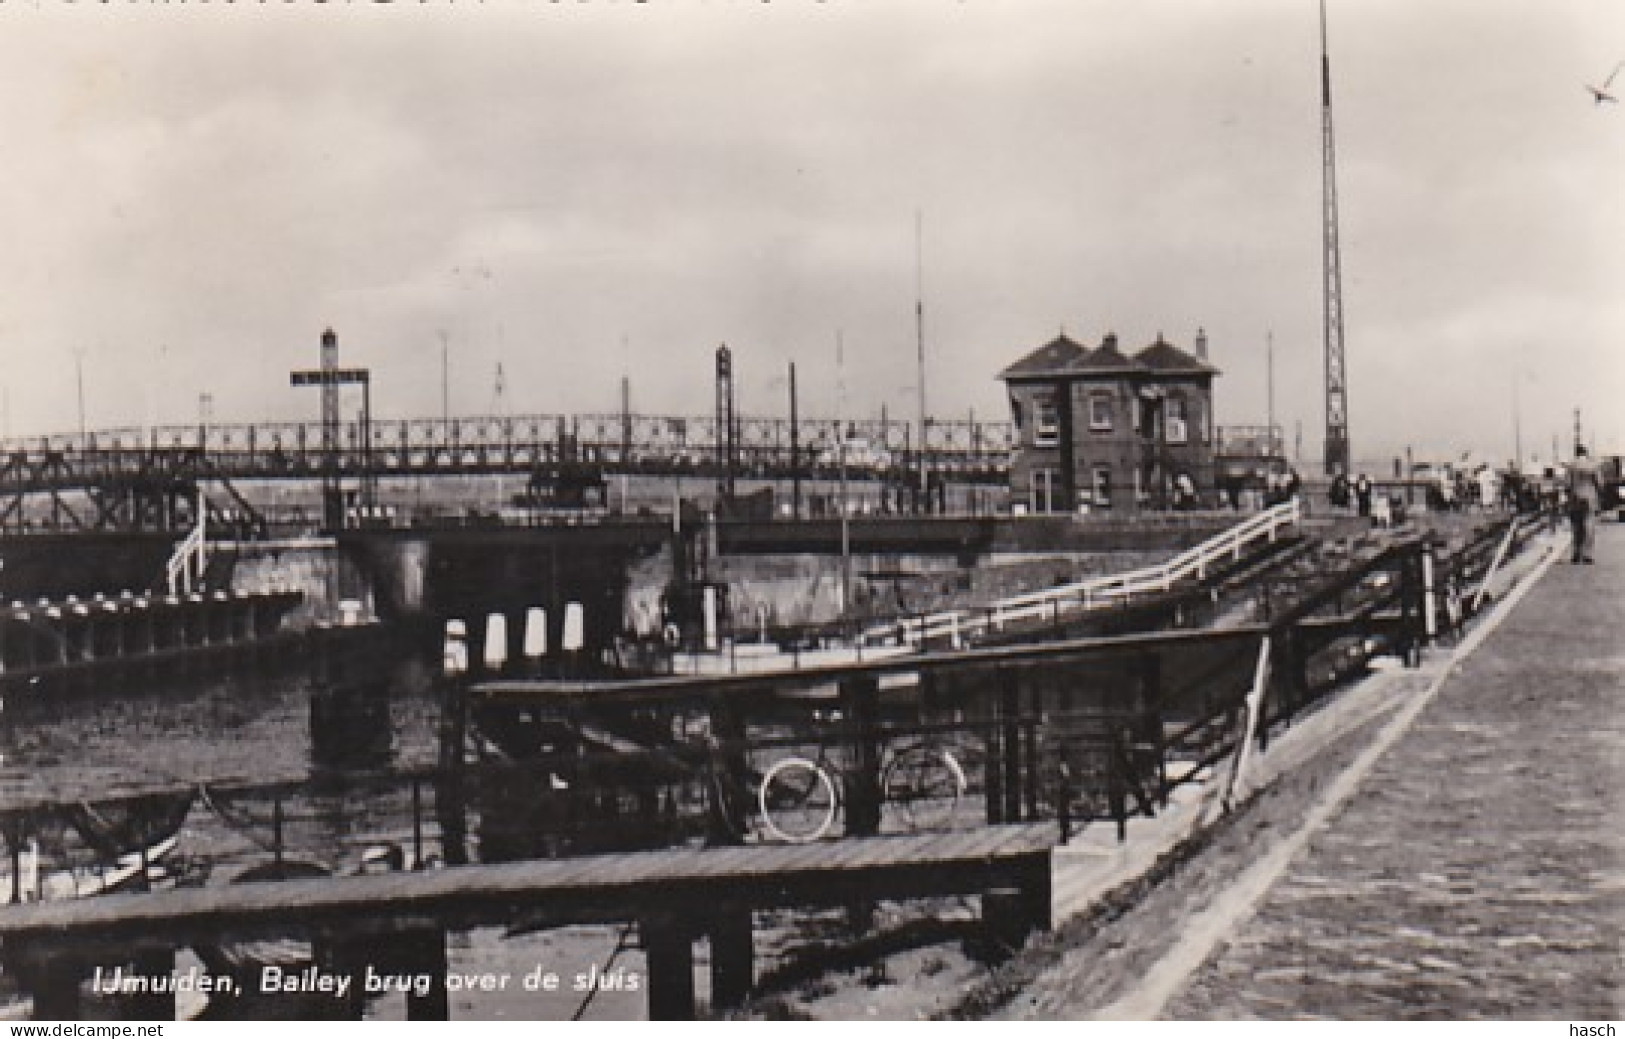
673	895
601	887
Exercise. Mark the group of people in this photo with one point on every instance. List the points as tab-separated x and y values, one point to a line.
1360	491
1574	491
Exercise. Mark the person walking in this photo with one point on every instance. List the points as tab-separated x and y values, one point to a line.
1585	495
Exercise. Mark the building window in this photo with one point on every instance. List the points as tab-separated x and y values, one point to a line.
1102	491
1176	427
1046	490
1046	421
1100	413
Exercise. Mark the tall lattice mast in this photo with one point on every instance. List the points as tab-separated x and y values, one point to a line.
1337	403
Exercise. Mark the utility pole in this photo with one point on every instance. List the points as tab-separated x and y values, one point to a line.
840	435
1517	429
79	371
445	381
1269	384
1337	425
727	428
919	342
795	449
1578	440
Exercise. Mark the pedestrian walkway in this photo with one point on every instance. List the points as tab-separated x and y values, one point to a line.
1477	870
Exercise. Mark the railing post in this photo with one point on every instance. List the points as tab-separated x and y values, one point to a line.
1430	620
1253	727
1117	782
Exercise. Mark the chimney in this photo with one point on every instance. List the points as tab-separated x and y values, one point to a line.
1110	342
1201	344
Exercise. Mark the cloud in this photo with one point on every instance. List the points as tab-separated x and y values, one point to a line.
584	191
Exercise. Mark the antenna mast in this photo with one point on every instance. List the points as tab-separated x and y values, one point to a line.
1337	423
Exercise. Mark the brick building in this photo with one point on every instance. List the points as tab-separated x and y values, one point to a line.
1106	430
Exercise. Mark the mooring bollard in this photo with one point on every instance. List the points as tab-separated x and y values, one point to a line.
535	641
574	637
496	642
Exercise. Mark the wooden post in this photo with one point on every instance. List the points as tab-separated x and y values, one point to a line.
449	797
1037	890
728	814
429	960
417	823
1297	669
993	766
861	697
1117	782
733	957
1005	919
14	837
350	959
1152	721
669	952
56	989
276	829
152	1006
1410	612
1010	708
1013	911
1029	754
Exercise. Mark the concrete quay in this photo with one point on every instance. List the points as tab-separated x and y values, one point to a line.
1445	842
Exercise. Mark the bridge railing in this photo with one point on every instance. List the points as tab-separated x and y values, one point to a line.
958	626
514	442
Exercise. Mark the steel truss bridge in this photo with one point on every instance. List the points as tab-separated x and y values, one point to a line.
141	478
148	478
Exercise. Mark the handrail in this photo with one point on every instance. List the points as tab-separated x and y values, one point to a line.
1050	603
184	571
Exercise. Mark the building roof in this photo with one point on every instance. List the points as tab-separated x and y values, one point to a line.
1165	358
1062	356
1058	356
1107	358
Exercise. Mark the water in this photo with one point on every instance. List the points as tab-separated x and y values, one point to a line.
215	735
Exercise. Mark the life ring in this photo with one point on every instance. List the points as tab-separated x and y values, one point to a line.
672	634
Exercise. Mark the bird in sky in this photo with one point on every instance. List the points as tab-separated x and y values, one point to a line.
1601	94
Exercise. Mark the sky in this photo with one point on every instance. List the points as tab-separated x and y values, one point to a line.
581	192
